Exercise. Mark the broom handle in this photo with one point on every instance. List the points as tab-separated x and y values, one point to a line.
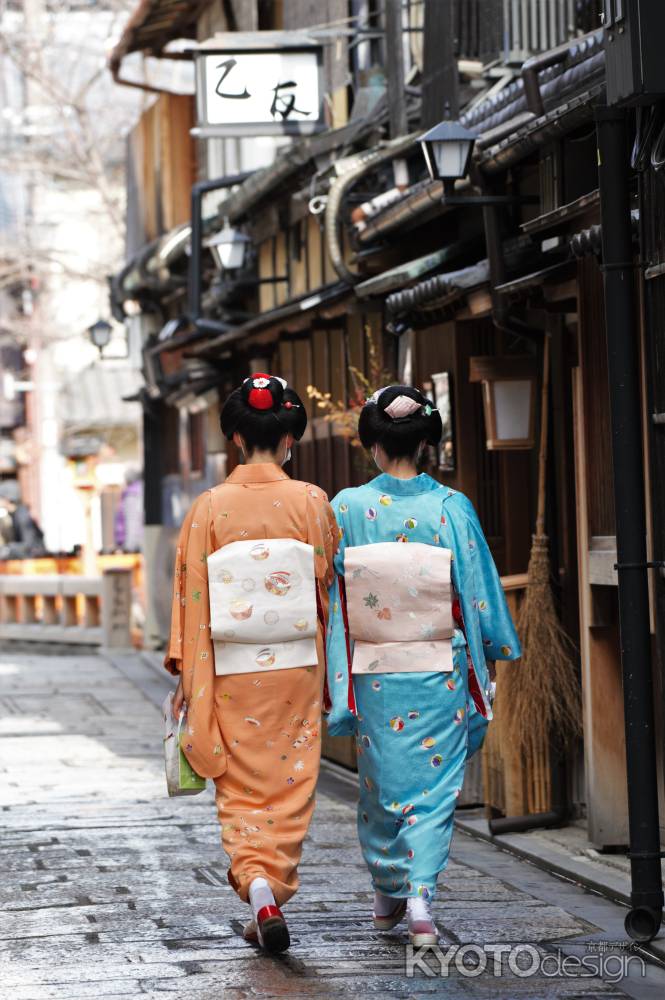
542	456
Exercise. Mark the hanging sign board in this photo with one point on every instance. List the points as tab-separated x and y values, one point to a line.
259	83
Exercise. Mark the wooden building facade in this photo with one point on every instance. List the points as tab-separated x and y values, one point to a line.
356	260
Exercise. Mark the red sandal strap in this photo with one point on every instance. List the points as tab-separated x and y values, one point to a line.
268	911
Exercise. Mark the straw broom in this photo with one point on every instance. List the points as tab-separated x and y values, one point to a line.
545	691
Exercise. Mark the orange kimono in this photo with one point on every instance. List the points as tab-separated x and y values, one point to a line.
257	735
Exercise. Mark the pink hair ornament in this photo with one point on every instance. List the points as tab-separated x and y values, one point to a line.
401	407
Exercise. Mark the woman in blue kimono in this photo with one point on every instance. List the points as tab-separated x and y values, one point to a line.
414	730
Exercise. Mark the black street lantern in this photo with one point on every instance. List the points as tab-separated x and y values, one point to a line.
447	149
100	334
228	248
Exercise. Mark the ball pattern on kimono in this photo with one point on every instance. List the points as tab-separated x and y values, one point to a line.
407	809
259	551
410	523
414	715
401	538
371	514
265	657
450	684
411	820
459	715
423	891
343	508
410	854
385	500
241	610
428	743
437	760
365	740
506	650
376	685
397	724
278	583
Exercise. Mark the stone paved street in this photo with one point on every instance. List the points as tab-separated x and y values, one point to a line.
111	889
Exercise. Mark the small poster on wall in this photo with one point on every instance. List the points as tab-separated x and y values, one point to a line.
439	389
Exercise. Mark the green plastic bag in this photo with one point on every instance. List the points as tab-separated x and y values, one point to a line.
181	778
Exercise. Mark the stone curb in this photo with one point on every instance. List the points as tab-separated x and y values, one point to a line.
609	883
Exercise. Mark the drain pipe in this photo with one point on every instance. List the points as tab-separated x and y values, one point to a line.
338	189
195	277
644	918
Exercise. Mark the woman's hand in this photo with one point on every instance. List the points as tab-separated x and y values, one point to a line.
178	701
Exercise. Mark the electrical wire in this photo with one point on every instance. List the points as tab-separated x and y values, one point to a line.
647	123
658	154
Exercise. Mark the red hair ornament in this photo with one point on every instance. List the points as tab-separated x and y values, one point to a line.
260	396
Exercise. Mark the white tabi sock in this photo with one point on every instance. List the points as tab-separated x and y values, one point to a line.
384	905
260	895
417	908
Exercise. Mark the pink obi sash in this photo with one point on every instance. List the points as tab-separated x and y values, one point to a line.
399	604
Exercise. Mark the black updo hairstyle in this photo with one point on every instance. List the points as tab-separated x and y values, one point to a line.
401	437
263	410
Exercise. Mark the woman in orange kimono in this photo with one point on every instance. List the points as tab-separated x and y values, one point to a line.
255	733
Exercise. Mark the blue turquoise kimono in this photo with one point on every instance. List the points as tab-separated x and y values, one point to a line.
414	731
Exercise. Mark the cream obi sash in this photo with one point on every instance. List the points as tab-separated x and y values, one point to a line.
399	606
263	608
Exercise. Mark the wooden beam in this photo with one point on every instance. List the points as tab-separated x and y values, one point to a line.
395	63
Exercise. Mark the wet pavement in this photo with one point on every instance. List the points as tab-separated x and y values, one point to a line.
111	889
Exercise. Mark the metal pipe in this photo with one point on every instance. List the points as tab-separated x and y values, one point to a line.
522	824
556	816
644	918
195	268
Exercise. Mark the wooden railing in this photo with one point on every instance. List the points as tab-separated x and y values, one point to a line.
515	29
92	611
